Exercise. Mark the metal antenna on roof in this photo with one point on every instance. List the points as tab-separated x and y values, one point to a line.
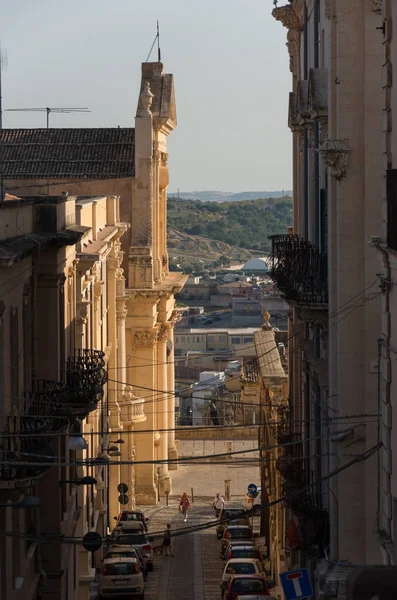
156	39
3	66
49	110
158	42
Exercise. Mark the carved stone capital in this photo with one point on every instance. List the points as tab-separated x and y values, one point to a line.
98	288
377	6
287	16
335	154
164	159
144	338
156	153
163	333
327	9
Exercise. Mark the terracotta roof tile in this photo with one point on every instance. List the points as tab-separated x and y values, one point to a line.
101	153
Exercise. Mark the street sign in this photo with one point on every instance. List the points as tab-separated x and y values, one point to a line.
123	499
252	488
296	584
122	488
92	541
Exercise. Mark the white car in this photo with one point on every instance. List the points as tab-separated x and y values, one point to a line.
121	577
241	566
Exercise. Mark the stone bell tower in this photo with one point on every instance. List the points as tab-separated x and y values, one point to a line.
151	304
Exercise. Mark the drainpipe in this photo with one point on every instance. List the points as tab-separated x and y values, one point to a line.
306	134
316	137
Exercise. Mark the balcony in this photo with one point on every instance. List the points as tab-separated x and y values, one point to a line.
299	271
28	436
85	377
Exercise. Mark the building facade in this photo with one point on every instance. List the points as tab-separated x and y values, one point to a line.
58	340
328	275
130	162
81	307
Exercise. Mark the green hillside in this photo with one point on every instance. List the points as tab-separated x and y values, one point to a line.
246	224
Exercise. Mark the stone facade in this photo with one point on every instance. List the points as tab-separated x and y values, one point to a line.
334	110
107	300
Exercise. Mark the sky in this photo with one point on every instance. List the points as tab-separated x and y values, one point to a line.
228	58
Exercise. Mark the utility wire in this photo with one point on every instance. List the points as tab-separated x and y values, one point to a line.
192	529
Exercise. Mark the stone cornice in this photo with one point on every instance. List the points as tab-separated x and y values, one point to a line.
287	16
335	154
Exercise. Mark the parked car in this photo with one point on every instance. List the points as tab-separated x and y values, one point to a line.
240	585
243	551
256	597
235	532
130	527
128	552
136	540
121	577
231	516
133	515
241	566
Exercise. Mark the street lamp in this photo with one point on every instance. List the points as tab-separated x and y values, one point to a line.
87	480
76	440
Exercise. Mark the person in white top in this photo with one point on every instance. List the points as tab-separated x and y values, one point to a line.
218	505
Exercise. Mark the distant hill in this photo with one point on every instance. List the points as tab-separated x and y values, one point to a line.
217	196
245	224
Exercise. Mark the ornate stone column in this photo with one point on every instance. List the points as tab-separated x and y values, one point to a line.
141	344
172	449
162	407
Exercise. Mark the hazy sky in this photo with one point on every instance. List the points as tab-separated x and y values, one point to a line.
228	58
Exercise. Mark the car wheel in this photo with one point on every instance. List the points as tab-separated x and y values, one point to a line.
256	510
219	536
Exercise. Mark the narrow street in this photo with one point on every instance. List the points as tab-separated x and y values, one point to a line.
194	571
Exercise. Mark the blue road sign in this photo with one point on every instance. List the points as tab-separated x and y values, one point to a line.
252	488
296	584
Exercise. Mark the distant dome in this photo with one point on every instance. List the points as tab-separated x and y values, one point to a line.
256	264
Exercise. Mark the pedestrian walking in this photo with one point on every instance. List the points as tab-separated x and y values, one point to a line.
167	540
184	505
218	505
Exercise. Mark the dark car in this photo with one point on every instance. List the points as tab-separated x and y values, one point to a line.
241	551
132	515
235	532
231	516
239	585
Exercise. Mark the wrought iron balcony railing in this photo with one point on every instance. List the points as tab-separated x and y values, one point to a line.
298	269
28	436
85	377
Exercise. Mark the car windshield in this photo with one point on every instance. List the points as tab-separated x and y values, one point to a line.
248	585
119	569
131	539
238	533
243	568
122	554
232	514
131	517
246	553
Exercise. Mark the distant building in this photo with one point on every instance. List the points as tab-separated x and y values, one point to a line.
219	340
256	265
